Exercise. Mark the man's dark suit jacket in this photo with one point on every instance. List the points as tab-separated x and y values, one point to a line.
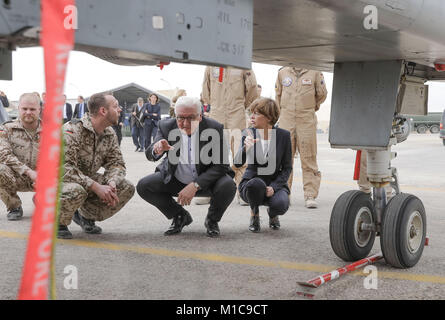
281	151
152	109
134	119
208	174
77	109
69	111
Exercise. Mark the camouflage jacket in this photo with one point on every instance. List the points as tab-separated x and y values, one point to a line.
18	147
86	152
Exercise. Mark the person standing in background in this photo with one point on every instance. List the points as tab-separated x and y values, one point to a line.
137	126
118	127
179	93
81	108
152	114
67	111
299	94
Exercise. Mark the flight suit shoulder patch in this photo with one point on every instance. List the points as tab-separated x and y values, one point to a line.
287	82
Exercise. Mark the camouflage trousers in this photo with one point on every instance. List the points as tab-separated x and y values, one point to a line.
74	197
10	184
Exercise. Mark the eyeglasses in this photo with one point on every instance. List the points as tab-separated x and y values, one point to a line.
190	118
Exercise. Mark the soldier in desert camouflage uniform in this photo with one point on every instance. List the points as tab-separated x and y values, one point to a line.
90	143
19	145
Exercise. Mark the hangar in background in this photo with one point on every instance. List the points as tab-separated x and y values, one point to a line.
128	95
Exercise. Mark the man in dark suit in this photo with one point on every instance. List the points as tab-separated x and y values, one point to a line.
81	108
184	172
118	127
67	111
137	125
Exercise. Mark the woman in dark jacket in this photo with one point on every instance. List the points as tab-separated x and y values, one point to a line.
268	153
152	114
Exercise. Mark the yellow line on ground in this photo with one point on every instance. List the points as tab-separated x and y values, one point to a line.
231	259
402	187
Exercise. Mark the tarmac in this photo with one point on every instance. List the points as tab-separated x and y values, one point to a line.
132	259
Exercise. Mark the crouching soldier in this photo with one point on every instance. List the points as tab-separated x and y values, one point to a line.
19	145
90	143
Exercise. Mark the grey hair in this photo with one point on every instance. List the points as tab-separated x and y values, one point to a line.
140	99
185	101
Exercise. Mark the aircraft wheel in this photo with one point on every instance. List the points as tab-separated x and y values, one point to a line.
348	240
403	231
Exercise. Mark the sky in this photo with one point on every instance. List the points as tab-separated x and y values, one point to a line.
87	74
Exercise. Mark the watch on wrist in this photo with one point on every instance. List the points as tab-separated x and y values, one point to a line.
196	185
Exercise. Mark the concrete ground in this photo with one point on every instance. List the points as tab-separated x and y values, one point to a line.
132	259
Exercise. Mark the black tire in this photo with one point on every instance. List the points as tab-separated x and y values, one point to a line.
434	129
347	241
400	247
443	141
421	129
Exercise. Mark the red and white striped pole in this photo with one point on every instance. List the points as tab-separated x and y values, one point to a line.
335	274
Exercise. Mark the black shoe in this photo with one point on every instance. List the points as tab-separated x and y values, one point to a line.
274	223
255	225
88	226
141	150
180	221
212	228
15	214
63	232
137	149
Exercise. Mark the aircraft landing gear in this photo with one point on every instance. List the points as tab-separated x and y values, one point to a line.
357	218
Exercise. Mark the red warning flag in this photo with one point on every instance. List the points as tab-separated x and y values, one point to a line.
221	74
57	40
357	165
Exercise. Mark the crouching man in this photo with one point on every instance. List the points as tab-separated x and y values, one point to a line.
90	143
185	172
19	146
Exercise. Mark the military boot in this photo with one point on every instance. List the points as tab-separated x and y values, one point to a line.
88	226
15	214
63	232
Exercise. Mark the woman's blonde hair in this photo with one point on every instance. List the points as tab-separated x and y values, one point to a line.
267	107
